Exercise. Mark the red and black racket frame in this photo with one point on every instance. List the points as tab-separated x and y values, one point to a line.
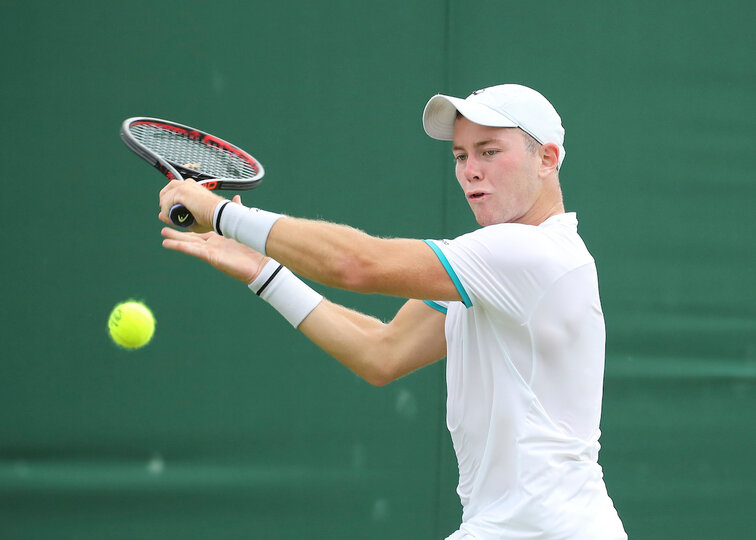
173	171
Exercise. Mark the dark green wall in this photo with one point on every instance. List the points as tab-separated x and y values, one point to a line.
230	425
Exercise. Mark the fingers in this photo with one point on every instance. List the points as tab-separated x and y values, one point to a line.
174	234
167	198
188	248
198	200
186	242
184	236
228	256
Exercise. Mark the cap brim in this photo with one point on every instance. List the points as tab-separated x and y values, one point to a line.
441	112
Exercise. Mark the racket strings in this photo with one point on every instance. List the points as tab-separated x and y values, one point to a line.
199	156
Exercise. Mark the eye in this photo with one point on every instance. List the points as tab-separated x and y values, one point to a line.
489	153
460	157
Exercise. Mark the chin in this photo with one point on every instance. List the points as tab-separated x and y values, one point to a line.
484	221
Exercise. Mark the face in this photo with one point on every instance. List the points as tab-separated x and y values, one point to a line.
496	171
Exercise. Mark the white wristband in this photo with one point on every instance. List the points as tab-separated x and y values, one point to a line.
249	226
288	294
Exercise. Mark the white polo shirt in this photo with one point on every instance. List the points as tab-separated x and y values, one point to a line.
525	368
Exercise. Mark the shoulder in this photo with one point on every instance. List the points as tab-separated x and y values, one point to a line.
507	267
512	239
502	233
554	242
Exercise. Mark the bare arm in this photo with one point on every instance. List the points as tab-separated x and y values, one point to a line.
335	255
376	351
347	258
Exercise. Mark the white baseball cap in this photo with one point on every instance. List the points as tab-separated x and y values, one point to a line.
505	105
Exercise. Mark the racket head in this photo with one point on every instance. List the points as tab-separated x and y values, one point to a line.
180	152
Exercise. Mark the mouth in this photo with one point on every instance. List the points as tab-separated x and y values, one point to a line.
475	195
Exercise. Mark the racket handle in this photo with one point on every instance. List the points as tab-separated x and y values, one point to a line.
180	216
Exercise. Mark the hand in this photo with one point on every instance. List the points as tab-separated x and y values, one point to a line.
230	257
198	200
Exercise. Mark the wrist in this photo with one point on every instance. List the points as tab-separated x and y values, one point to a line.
205	207
249	226
288	294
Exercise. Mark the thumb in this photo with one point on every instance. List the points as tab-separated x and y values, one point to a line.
237	199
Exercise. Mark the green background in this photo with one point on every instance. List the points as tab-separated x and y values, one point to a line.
231	425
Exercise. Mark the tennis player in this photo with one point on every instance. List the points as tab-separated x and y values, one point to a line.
513	306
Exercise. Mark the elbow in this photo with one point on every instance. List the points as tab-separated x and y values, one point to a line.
381	364
379	377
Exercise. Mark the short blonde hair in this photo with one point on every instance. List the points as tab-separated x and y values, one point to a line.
531	144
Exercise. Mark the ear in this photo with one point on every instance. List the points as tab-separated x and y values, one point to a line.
549	154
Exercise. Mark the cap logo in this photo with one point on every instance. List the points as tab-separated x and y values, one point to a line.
478	92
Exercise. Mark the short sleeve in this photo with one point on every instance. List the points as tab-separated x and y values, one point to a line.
502	267
438	305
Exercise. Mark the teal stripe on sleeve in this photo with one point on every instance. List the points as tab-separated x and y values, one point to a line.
436	306
452	274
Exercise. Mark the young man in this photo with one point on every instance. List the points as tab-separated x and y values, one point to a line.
513	306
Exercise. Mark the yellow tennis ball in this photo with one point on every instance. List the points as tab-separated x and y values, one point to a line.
131	324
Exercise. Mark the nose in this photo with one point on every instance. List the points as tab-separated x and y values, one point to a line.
472	171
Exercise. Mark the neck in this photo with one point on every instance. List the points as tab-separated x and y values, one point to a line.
549	204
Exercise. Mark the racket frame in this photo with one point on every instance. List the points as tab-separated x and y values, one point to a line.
174	171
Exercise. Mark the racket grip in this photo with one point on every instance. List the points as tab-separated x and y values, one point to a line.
180	216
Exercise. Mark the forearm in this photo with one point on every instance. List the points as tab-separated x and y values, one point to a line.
350	337
376	351
338	255
334	255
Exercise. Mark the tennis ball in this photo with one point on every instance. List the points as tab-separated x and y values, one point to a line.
131	324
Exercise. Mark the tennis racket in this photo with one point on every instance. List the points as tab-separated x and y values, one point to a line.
181	152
